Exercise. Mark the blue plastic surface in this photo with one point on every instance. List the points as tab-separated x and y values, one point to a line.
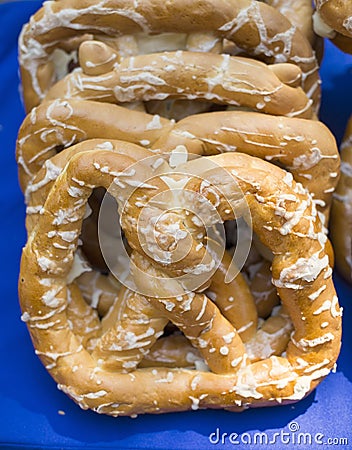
29	400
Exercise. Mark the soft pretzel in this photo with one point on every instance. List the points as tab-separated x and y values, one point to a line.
256	27
185	75
306	148
300	271
341	213
333	19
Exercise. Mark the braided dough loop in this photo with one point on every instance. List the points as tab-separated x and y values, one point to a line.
305	288
62	123
256	27
341	212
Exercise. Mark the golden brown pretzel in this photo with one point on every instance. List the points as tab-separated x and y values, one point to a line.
257	28
336	14
300	271
341	212
222	79
306	148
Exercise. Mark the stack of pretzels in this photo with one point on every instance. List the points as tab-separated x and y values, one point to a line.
169	123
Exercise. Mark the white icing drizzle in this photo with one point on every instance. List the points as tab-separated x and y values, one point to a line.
306	269
155	123
55	356
178	156
330	305
306	343
79	266
52	172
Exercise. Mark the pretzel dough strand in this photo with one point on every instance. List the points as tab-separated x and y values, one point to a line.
38	189
314	345
129	332
264	293
252	25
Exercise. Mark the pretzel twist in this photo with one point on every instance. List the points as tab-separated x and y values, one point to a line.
256	27
305	290
341	213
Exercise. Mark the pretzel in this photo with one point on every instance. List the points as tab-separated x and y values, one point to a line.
306	148
333	19
256	27
304	285
341	213
220	78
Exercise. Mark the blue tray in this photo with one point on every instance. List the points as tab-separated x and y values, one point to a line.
29	400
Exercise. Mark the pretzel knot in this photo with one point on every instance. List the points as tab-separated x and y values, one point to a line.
133	300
